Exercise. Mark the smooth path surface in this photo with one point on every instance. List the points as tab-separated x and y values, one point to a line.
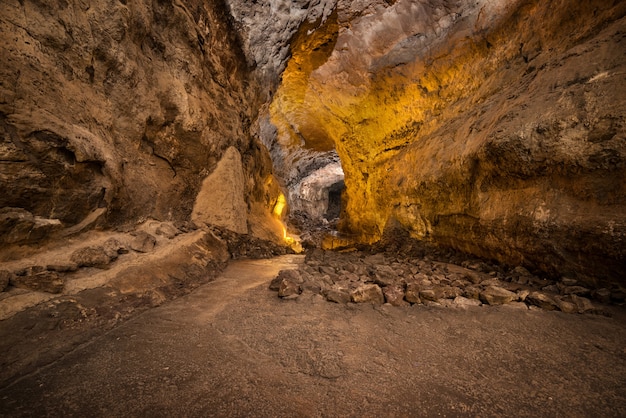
233	349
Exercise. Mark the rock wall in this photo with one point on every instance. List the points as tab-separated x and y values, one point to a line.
124	106
495	127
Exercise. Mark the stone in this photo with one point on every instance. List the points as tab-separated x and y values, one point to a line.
143	242
602	295
113	248
5	278
167	230
494	295
618	295
394	295
45	281
583	305
62	267
450	292
566	306
541	300
288	288
568	281
463	302
432	295
93	256
576	290
290	274
522	294
221	200
368	293
19	226
472	292
337	294
412	294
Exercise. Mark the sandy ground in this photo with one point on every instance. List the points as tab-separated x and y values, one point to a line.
232	348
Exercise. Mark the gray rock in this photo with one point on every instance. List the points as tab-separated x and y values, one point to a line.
143	242
371	293
541	300
494	295
94	256
394	295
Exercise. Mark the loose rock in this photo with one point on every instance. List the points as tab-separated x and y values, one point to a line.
371	293
5	278
494	295
143	242
94	256
45	281
394	295
541	300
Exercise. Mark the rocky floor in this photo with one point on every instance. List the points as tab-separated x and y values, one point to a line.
231	348
400	280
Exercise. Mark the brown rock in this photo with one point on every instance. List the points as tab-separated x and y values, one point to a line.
143	242
583	305
412	293
494	295
394	295
337	294
94	256
541	300
432	295
566	306
45	281
368	293
602	295
288	288
463	302
5	278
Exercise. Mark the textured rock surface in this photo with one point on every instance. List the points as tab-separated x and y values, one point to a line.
494	127
125	106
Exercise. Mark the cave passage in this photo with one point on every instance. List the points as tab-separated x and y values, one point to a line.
334	200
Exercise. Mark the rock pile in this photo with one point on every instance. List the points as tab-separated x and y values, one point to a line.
360	277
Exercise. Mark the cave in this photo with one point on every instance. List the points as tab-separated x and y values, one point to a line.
334	201
414	207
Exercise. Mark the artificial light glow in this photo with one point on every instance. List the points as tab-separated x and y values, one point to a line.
279	208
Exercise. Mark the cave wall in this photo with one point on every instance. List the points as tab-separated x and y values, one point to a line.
124	106
495	127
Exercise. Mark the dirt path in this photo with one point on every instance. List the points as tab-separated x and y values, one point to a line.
232	348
